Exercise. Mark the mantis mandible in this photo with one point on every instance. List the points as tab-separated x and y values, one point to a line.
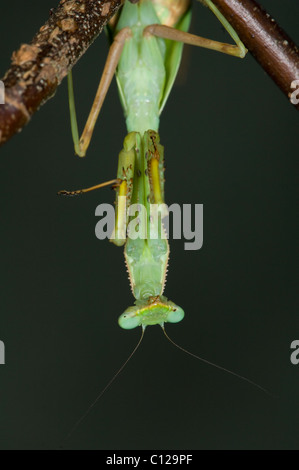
147	40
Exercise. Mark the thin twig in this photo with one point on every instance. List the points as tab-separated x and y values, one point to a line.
269	44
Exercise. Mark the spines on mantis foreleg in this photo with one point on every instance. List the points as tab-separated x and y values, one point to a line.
124	190
154	156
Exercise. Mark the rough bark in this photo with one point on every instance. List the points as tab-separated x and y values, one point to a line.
38	68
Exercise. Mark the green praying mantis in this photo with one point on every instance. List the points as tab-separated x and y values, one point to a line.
146	47
132	188
147	41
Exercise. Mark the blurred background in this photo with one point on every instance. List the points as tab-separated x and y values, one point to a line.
231	144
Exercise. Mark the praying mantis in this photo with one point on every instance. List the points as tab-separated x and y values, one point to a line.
66	266
145	54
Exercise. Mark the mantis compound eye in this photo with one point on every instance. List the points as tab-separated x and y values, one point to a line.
128	321
176	315
152	311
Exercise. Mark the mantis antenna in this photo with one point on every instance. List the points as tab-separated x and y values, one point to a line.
106	386
216	365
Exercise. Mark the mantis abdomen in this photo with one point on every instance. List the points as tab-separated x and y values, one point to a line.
144	72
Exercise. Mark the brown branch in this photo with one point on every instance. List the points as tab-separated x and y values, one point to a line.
38	68
263	37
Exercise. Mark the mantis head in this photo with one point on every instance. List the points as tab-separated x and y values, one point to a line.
152	311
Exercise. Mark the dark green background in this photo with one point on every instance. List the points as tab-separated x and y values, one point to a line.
231	141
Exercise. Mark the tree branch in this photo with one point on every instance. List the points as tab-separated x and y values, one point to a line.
38	68
263	37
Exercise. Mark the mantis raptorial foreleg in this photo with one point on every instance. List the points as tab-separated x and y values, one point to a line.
125	173
133	185
115	51
123	185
